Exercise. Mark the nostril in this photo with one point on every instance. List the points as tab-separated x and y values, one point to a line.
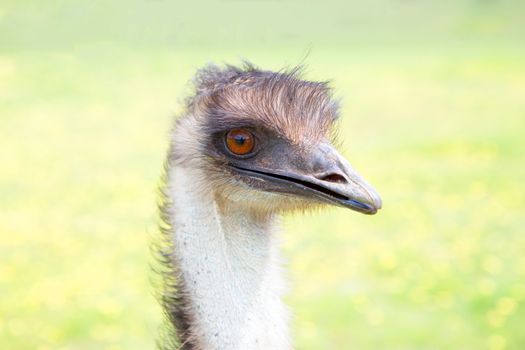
333	177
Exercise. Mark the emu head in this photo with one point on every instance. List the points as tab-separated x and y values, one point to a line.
264	140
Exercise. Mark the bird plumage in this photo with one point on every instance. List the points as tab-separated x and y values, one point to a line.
219	260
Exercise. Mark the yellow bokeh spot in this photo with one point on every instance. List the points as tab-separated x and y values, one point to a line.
419	296
109	307
497	342
443	299
105	333
388	261
114	347
495	319
309	330
487	286
506	306
491	264
478	189
518	292
375	317
360	299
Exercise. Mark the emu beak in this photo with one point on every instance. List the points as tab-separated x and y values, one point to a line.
340	182
321	173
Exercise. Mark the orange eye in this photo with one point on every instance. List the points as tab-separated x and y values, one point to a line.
240	141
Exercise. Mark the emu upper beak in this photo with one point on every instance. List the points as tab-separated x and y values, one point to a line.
321	173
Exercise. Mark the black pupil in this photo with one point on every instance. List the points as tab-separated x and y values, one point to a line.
239	139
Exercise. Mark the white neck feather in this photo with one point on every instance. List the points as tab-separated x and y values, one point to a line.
229	262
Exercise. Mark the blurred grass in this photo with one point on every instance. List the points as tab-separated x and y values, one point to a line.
434	117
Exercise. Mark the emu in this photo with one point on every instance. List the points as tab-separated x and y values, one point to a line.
250	145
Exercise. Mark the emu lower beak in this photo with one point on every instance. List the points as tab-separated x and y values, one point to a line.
322	174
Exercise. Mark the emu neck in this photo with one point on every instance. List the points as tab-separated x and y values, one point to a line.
228	261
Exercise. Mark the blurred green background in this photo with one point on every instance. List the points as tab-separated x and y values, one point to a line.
434	116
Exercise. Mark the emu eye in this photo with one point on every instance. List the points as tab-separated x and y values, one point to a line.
240	141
